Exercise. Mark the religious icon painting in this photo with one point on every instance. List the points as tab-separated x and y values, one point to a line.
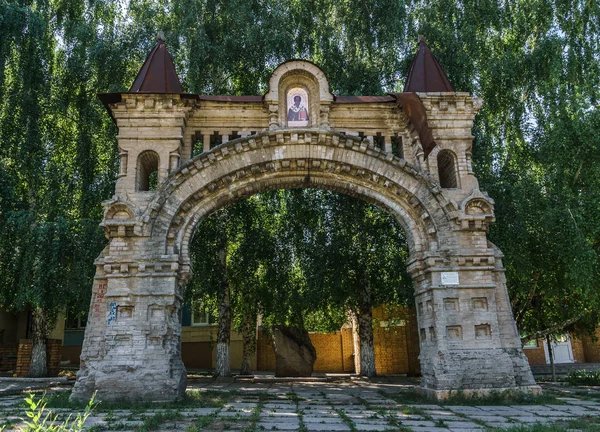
297	102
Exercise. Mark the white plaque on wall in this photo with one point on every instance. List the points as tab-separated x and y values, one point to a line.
449	278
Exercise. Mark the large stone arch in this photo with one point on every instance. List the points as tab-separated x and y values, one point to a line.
280	160
146	287
132	345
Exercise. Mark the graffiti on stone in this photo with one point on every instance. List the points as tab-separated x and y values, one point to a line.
99	299
111	315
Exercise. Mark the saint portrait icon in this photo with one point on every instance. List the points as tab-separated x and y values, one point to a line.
297	114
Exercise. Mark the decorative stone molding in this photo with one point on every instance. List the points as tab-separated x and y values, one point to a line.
477	212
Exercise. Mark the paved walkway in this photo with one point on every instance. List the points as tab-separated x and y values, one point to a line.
344	406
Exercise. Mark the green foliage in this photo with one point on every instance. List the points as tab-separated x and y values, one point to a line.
534	63
583	377
42	420
299	257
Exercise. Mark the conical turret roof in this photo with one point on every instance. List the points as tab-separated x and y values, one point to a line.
158	74
426	74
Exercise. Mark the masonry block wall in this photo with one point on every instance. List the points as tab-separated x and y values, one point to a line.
591	348
536	355
395	340
8	357
578	349
53	356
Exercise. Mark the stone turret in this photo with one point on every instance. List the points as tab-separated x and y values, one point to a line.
151	118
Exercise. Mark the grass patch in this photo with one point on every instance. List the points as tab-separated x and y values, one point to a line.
154	422
201	422
346	419
582	377
502	398
193	399
586	424
408	397
492	398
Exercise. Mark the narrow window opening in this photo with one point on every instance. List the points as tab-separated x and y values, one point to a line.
215	139
397	146
197	144
447	169
379	141
148	162
234	135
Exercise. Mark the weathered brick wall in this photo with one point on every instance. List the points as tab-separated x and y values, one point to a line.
8	357
264	352
53	353
578	351
329	351
390	340
199	348
591	349
332	355
347	350
391	356
537	355
395	338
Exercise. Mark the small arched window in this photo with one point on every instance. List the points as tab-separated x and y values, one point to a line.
147	171
447	171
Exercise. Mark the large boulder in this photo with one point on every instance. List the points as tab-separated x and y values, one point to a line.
295	354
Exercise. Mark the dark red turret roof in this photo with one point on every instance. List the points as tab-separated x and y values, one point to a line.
426	74
158	74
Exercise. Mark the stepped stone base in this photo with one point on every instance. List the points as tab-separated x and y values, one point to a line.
132	384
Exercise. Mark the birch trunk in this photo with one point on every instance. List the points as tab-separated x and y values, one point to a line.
365	332
39	362
223	366
249	341
355	341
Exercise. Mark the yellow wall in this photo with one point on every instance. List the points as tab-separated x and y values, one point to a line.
196	340
395	339
59	330
591	348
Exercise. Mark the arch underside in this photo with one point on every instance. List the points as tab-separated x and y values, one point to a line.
299	159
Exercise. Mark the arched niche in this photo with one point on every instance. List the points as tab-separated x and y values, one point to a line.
302	76
118	211
147	171
447	165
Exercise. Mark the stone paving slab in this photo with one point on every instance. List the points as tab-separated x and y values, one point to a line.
278	426
436	417
235	414
501	425
462	424
318	427
373	427
330	420
412	423
427	429
357	402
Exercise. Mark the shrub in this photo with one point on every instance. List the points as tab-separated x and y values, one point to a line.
583	377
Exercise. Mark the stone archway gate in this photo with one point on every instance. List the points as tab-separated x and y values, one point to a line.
408	153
